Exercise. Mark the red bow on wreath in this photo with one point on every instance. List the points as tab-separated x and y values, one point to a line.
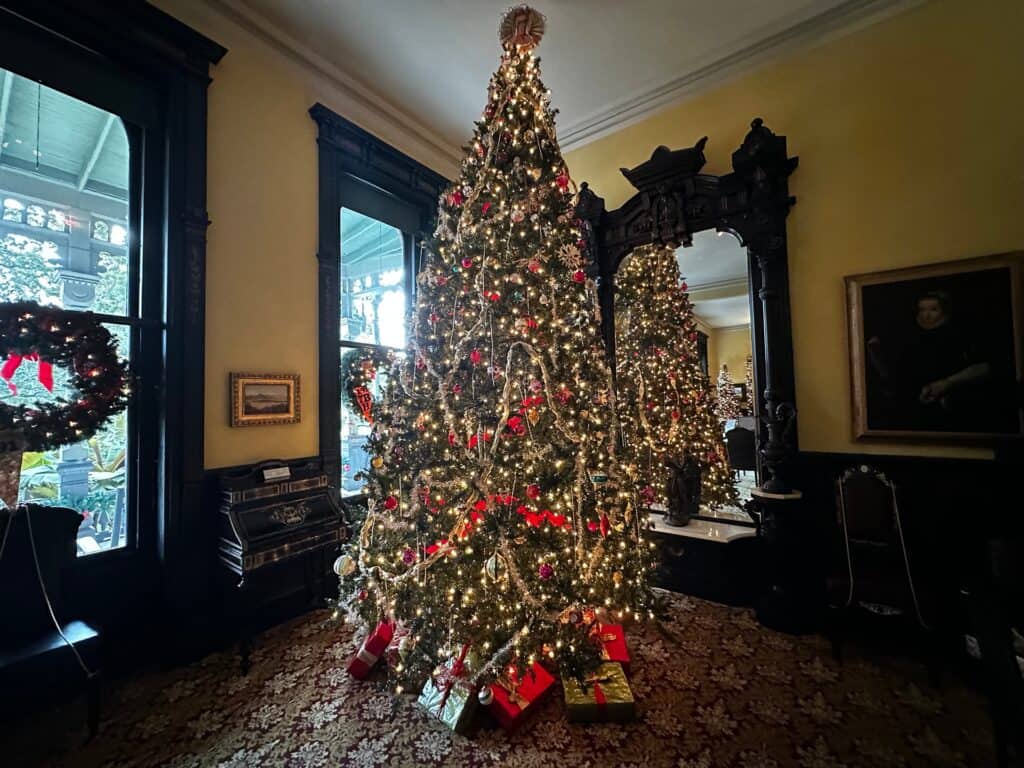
45	374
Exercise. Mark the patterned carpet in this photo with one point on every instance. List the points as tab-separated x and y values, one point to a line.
728	693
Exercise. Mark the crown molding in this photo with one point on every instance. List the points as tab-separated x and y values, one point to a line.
718	289
381	117
752	51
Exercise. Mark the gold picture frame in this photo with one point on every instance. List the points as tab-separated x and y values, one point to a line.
261	399
937	351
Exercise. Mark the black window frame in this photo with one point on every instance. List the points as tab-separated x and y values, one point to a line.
360	172
151	70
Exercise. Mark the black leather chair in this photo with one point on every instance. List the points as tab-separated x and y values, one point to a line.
879	581
740	445
40	651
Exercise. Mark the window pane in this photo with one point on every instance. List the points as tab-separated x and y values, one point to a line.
89	476
355	431
48	247
49	254
373	300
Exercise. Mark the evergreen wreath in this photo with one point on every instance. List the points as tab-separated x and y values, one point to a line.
50	336
359	368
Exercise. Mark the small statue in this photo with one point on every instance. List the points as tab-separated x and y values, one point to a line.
683	492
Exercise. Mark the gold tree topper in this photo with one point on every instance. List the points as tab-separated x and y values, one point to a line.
521	26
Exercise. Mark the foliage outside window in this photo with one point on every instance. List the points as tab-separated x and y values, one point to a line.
61	252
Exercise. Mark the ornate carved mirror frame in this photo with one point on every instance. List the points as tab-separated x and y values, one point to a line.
673	201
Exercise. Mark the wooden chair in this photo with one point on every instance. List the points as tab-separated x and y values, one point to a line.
39	649
879	578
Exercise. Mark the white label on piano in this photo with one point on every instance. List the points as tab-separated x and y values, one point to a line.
276	473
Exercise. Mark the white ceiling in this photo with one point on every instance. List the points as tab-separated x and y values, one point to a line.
712	260
427	62
723	313
715	269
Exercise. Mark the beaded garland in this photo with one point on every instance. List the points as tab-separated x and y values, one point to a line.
75	340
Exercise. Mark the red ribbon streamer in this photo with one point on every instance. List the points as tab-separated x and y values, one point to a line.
447	678
45	374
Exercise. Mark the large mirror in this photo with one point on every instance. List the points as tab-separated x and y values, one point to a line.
714	269
726	230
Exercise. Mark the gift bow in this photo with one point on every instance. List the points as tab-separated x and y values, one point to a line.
511	684
596	681
446	678
45	373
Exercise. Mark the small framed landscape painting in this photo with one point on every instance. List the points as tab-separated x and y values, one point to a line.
937	352
264	398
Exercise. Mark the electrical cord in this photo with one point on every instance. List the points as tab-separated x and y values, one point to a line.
89	674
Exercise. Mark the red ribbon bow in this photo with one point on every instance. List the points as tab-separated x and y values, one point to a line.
45	374
445	679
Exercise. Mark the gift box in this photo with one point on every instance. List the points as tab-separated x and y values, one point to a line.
448	695
603	697
514	695
371	650
613	644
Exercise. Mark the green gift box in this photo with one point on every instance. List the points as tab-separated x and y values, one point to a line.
603	697
449	696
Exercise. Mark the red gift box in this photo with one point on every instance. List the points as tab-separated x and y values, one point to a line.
371	650
613	644
514	695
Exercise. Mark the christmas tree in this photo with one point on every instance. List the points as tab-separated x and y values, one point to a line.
499	514
728	404
665	401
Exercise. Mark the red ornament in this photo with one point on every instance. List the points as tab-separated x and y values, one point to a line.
467	263
485	207
533	491
579	276
442	280
434	317
605	526
683	286
562	180
533	265
456	197
390	503
456	388
675	415
452	439
475	356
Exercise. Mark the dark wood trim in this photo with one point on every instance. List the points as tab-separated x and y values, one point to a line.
139	62
674	200
351	160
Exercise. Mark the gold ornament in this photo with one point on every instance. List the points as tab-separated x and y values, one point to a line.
533	416
617	577
522	26
376	462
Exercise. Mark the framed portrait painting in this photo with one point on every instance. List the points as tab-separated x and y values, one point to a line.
265	398
937	351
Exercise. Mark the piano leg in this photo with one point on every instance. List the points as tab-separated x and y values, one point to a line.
245	627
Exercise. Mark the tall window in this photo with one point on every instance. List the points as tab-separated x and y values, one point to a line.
373	287
64	241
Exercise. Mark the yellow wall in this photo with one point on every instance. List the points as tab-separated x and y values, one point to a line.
910	144
261	290
730	346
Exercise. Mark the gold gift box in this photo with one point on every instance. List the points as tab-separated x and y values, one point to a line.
457	709
604	697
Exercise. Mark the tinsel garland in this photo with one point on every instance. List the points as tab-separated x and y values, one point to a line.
62	338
